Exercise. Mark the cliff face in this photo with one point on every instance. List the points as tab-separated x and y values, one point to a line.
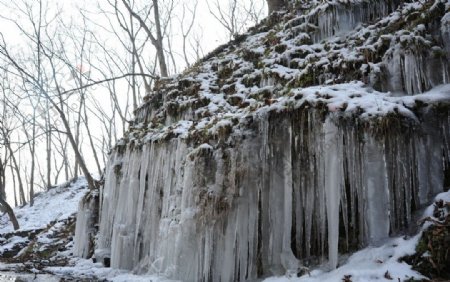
284	148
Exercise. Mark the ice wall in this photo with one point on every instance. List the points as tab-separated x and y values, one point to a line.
338	18
291	189
293	185
86	230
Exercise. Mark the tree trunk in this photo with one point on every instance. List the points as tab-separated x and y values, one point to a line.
78	157
4	206
48	142
33	158
19	179
276	5
159	41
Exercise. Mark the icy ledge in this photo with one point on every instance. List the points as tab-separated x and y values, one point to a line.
293	184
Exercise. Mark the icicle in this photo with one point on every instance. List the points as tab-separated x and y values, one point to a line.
333	176
376	189
278	196
85	225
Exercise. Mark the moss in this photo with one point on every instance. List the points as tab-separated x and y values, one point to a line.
250	56
432	257
251	80
234	100
224	131
173	108
261	95
229	89
122	148
306	79
225	72
300	54
271	39
438	53
304	40
280	48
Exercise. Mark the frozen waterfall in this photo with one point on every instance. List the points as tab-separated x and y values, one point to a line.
291	190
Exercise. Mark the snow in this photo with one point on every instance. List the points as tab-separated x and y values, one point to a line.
83	268
11	242
372	263
184	210
58	203
367	265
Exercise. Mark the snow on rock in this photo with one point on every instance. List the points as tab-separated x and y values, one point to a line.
317	133
368	265
288	190
373	263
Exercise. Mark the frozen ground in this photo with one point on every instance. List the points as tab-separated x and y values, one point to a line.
58	203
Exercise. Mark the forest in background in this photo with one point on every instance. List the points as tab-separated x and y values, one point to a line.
71	76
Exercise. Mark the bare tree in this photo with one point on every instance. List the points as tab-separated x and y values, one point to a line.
156	37
188	13
235	16
4	206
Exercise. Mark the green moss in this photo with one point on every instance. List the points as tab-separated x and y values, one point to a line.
250	56
271	39
280	48
304	40
251	80
306	79
225	72
261	95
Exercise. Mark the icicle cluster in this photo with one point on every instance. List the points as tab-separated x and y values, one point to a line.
85	231
237	169
291	190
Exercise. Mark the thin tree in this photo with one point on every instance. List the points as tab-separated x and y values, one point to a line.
4	206
156	37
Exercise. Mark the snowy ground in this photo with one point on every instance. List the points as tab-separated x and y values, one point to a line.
372	264
56	204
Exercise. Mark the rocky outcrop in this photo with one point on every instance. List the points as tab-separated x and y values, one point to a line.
267	155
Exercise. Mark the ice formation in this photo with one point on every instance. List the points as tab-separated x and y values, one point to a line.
264	159
85	226
291	187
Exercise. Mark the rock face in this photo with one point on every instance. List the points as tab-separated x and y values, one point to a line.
244	166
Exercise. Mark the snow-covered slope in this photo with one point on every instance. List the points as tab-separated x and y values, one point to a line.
58	203
317	133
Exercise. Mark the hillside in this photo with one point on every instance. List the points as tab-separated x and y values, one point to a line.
45	237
